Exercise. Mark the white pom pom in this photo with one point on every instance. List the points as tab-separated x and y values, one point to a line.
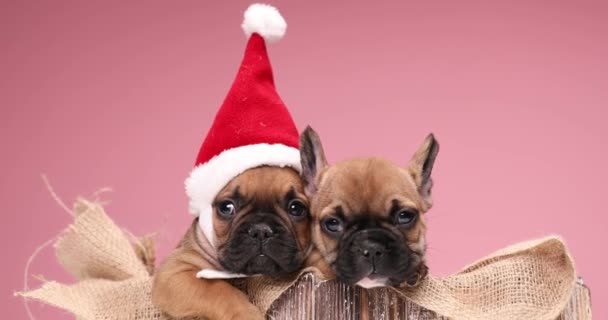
264	20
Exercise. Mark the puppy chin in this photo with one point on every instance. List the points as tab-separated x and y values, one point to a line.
262	264
373	282
409	279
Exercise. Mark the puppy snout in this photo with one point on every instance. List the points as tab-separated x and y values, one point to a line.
260	231
371	249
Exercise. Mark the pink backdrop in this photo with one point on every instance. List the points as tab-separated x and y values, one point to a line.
120	94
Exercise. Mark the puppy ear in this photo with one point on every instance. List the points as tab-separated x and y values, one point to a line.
312	159
421	166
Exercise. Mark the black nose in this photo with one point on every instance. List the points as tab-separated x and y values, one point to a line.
260	231
371	249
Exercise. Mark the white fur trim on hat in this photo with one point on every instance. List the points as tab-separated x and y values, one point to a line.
208	179
264	20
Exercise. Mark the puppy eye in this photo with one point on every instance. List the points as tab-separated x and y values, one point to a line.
333	225
406	217
226	208
296	208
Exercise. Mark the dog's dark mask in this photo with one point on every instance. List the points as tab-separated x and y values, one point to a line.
261	244
366	249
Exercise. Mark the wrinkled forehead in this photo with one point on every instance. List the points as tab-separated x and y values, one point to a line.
369	186
263	182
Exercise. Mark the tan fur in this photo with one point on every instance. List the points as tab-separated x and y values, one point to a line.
178	292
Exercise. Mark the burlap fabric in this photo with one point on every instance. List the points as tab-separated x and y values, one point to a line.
530	280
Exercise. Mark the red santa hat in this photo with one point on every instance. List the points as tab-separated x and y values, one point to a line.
252	127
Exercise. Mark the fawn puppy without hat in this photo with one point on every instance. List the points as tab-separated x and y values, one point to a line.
368	214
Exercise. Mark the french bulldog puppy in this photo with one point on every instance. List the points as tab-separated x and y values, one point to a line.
261	221
368	214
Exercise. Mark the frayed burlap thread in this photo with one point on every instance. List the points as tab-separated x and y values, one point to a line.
114	280
95	247
530	280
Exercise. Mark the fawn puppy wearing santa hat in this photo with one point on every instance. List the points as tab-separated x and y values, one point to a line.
246	193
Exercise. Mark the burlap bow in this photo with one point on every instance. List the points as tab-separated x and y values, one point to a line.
530	280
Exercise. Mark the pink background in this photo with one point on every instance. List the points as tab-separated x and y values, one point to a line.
120	94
